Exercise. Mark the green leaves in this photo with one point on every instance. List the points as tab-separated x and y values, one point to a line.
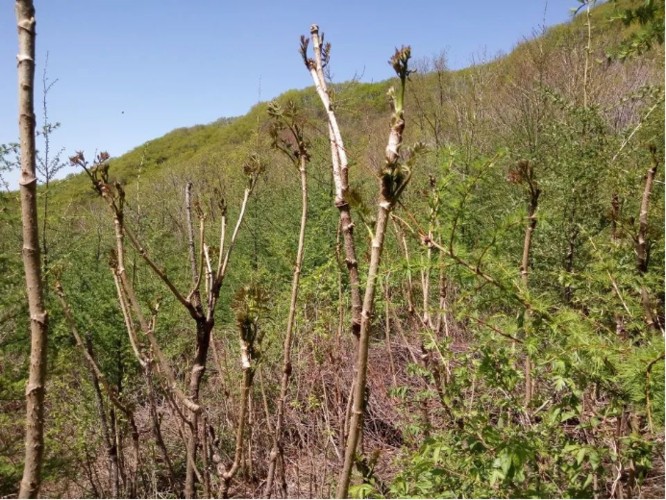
649	17
363	490
399	62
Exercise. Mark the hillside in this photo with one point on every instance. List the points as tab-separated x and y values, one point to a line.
188	146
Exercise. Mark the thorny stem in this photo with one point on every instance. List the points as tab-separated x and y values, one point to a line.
391	186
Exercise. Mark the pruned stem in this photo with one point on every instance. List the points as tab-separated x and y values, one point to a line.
340	166
34	391
388	195
642	247
286	356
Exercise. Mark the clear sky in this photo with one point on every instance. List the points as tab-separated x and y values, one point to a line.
132	70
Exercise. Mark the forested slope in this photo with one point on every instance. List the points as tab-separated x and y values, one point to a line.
516	346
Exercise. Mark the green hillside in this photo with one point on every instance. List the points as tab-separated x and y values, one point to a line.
222	139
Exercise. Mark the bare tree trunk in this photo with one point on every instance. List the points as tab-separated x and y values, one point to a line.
111	449
340	168
204	327
391	186
277	449
155	421
248	452
198	367
358	409
201	353
204	454
341	305
34	438
250	302
228	475
426	270
534	191
641	244
642	247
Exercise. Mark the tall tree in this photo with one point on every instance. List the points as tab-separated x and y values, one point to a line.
34	437
287	120
204	318
394	177
339	163
524	174
642	242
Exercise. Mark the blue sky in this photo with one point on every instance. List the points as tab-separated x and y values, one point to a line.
132	70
